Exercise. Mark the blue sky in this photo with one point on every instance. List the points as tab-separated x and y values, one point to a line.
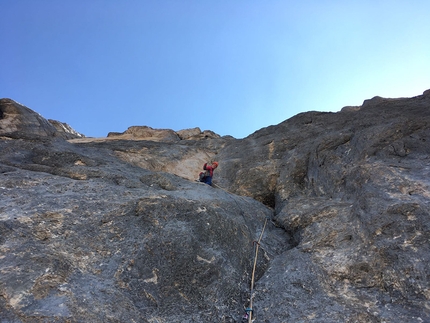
229	66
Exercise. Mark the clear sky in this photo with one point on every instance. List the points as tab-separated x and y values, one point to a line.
231	66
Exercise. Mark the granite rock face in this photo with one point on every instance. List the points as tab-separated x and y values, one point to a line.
117	229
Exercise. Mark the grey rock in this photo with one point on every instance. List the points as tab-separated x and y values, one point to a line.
189	133
117	229
146	133
66	129
163	135
18	121
352	190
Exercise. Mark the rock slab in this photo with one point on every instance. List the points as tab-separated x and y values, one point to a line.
118	230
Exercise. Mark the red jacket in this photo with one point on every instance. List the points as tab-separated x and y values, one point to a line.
209	168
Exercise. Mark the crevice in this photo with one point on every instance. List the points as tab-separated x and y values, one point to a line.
295	237
294	233
269	200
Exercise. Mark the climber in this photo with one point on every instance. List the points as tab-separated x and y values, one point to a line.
206	177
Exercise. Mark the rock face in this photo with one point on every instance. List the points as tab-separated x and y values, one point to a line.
67	131
163	135
18	121
352	189
117	230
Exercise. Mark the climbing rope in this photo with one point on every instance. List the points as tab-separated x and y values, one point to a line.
249	310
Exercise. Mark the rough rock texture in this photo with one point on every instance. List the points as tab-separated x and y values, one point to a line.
196	134
116	230
352	189
189	133
163	135
96	240
69	132
147	133
18	121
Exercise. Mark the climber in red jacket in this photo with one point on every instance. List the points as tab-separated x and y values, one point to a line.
206	177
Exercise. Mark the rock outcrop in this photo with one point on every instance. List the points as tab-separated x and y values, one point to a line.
352	190
117	230
65	129
163	135
18	121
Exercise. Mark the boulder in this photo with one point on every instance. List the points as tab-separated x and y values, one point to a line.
189	133
197	134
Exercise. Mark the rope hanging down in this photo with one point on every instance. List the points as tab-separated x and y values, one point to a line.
249	310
